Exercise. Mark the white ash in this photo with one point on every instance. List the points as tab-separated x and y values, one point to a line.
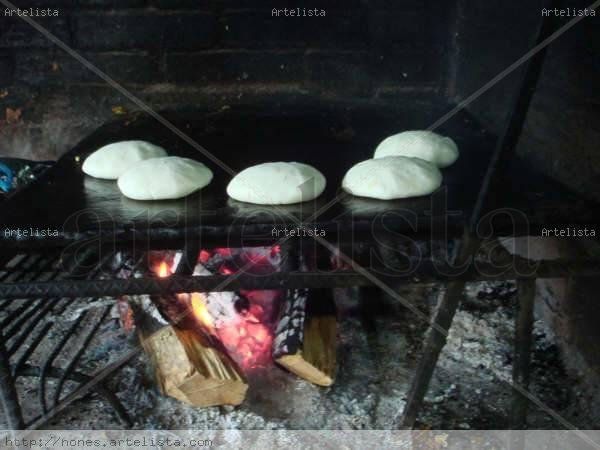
220	305
375	365
145	303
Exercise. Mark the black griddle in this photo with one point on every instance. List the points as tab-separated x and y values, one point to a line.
330	138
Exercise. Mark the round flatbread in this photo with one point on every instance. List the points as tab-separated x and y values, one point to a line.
164	178
392	177
439	150
110	161
277	183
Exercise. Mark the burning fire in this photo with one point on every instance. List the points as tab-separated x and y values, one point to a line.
163	270
247	335
200	311
248	343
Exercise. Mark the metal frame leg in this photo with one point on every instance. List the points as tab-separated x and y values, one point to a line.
522	356
433	346
9	401
435	341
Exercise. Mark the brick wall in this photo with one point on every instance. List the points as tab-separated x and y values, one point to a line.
563	127
492	35
562	130
193	53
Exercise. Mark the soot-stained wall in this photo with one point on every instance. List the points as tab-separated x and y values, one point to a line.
182	54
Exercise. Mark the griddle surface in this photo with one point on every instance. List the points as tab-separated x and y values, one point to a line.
332	140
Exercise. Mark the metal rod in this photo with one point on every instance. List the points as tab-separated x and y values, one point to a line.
82	348
28	324
85	388
52	356
435	340
20	269
15	314
508	140
32	267
9	401
11	324
189	258
26	331
522	357
41	334
28	370
33	344
427	272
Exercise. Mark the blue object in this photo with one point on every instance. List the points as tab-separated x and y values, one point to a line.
7	178
16	173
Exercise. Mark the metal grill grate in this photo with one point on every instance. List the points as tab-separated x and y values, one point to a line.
47	343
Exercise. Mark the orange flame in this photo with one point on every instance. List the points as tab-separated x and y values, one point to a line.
163	270
248	337
200	311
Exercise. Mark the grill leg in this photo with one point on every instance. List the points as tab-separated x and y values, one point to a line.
433	346
523	341
436	339
9	402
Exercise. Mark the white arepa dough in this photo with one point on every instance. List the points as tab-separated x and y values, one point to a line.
392	177
110	161
277	183
164	178
441	151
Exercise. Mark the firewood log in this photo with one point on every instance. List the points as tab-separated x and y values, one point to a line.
187	364
305	337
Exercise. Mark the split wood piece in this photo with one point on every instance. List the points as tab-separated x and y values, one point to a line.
305	337
186	364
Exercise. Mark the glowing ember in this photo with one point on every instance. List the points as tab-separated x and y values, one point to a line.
204	256
225	270
225	252
248	343
245	332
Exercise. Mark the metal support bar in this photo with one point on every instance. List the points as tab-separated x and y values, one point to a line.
522	357
102	389
436	337
509	138
83	389
427	273
189	258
